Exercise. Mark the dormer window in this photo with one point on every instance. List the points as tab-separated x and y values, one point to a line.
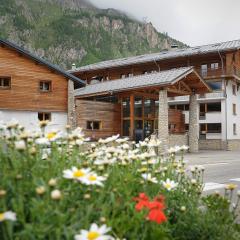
214	66
45	86
5	82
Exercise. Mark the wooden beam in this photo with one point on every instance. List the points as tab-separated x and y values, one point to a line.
132	116
179	92
186	86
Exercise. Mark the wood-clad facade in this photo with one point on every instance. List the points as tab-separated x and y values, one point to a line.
108	115
24	92
32	89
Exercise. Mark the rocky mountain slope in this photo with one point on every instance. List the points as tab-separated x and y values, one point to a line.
67	31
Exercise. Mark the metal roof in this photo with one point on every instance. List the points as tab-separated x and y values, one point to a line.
154	79
41	61
211	48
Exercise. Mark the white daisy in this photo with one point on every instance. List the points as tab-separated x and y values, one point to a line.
93	179
148	177
20	145
169	185
94	233
9	215
75	173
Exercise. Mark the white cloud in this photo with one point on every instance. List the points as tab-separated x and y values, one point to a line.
195	22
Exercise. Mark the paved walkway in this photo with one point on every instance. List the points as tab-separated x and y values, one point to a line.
221	168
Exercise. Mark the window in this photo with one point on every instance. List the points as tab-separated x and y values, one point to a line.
215	85
214	107
126	107
44	116
93	125
234	109
234	129
5	82
214	66
234	89
214	128
204	70
45	86
186	127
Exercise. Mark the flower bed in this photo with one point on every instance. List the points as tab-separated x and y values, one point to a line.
54	186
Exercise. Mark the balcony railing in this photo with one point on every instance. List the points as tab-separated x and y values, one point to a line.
218	72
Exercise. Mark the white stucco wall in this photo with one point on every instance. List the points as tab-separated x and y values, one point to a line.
231	118
30	121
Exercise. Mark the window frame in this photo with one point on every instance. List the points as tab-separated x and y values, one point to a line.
234	129
93	121
9	80
45	81
44	116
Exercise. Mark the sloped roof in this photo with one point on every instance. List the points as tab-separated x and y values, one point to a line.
41	61
163	78
211	48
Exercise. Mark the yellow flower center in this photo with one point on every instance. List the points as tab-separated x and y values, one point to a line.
93	235
1	216
168	185
78	174
92	178
51	135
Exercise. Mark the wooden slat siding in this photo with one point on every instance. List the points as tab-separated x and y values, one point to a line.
25	77
108	113
178	118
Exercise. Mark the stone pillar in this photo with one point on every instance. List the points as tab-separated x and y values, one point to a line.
71	105
163	121
193	123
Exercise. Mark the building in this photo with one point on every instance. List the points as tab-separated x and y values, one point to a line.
32	89
127	93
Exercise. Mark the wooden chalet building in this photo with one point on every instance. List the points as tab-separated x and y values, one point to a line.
32	89
167	93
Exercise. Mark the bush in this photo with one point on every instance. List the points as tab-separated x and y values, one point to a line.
54	185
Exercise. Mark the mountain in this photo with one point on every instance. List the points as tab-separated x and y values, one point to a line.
75	31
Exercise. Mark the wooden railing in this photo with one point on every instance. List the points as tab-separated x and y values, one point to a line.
211	73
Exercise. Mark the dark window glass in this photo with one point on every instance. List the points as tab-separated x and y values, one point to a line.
44	116
234	89
138	107
214	107
234	129
149	108
215	85
186	107
126	107
93	125
180	107
5	82
45	86
126	127
172	106
214	128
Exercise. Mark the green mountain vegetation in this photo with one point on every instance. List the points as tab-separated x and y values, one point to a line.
74	31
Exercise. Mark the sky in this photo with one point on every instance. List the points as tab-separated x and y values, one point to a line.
194	22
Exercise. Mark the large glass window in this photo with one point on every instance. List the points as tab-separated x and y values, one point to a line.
138	107
149	108
126	127
126	107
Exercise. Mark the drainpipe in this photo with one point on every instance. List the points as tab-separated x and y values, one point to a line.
225	95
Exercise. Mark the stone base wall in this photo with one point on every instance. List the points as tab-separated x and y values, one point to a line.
211	144
233	145
178	140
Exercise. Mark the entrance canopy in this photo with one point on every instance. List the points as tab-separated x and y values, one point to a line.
177	82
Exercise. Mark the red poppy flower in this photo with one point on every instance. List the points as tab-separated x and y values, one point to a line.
142	200
156	215
155	207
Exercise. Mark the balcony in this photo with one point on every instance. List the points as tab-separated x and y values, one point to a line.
211	73
201	98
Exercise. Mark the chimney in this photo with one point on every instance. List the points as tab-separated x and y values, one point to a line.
174	47
74	66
